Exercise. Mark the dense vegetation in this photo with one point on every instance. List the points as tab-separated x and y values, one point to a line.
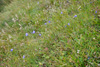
3	3
50	33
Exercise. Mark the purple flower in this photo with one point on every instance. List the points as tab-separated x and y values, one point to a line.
45	23
37	2
33	32
49	21
65	26
68	23
61	12
89	58
39	34
26	34
11	50
23	56
95	11
75	16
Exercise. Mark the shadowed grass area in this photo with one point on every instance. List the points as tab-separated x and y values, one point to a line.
50	33
3	3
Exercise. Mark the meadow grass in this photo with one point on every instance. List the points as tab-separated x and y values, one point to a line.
50	33
3	3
